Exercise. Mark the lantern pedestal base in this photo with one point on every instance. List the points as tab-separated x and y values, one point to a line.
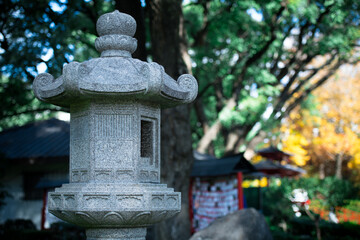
116	233
114	205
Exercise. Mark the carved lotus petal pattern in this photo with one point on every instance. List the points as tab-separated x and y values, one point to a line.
113	217
116	42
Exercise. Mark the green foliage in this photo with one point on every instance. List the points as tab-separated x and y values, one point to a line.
303	228
277	205
330	192
247	50
248	110
35	33
237	50
353	204
311	104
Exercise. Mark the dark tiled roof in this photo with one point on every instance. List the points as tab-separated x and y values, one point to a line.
219	167
273	153
274	168
44	139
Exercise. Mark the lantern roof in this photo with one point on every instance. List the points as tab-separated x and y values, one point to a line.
115	74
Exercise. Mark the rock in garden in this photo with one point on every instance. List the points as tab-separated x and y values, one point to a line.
246	224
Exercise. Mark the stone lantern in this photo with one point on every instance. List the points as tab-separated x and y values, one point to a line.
115	101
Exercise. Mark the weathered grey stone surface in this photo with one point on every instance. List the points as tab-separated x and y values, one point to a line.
115	75
115	103
246	224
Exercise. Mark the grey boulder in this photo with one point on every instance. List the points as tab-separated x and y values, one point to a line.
246	224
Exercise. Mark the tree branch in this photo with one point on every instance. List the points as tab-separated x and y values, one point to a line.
199	38
314	72
255	57
199	110
312	88
284	96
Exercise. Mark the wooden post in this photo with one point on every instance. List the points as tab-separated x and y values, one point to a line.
240	190
43	210
191	203
260	202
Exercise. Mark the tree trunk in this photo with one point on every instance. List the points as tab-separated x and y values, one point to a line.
250	148
170	50
322	170
316	220
133	8
235	139
338	170
232	139
209	136
213	131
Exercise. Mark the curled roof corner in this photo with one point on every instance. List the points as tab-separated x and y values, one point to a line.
115	74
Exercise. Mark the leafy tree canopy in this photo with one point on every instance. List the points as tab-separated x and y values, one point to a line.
38	36
256	61
329	137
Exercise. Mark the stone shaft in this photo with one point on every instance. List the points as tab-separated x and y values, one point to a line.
116	233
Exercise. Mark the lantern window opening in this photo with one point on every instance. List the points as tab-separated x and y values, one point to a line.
147	139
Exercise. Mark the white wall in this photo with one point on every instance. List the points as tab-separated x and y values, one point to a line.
15	207
19	209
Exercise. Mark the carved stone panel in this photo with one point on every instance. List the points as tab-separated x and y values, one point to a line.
124	175
79	146
149	175
70	201
126	201
113	126
103	175
96	201
157	200
113	154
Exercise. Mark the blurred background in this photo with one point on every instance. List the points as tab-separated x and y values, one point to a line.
275	123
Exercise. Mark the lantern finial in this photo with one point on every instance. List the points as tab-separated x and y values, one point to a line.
116	31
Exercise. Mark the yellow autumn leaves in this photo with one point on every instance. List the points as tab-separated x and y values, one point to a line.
334	130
